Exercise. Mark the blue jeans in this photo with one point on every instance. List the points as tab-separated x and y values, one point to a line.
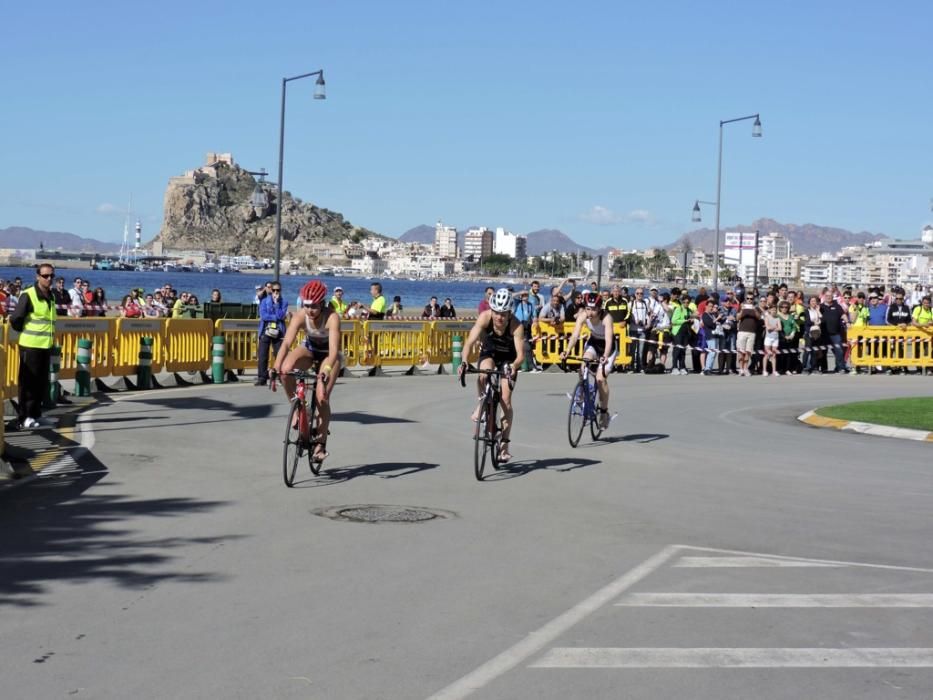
838	352
712	345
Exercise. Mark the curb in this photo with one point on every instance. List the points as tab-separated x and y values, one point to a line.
816	421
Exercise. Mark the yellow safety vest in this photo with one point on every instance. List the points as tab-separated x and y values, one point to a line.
338	306
39	329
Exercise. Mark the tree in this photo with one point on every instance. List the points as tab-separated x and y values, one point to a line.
497	263
628	265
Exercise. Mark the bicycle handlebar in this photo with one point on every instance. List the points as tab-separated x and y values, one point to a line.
588	361
506	370
297	373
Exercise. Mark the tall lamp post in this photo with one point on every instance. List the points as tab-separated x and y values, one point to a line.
318	95
756	132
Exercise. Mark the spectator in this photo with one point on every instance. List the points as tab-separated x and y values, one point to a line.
553	312
77	299
639	325
431	310
338	303
353	309
129	308
524	313
712	319
484	303
216	297
61	296
377	308
395	311
680	325
833	326
447	310
814	357
180	306
98	302
747	319
535	297
272	312
772	340
922	315
158	303
573	306
150	310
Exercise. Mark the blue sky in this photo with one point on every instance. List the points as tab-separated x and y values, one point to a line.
597	118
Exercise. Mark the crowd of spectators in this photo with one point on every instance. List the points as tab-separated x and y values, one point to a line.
772	332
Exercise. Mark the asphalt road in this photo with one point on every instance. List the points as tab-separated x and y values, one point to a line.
709	547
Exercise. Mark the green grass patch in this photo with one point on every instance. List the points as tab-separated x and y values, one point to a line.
916	413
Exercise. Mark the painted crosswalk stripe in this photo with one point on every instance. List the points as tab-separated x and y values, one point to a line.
777	600
749	562
793	657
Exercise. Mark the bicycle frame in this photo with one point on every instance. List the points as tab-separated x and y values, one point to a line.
584	402
487	431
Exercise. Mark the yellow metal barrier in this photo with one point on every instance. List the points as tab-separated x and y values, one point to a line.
188	344
385	343
553	339
10	366
129	331
101	331
440	339
888	346
241	342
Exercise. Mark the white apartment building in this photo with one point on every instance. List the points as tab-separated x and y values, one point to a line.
477	244
739	251
509	244
445	241
369	266
782	270
774	246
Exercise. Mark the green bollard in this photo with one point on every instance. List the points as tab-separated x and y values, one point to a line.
144	368
55	364
83	373
217	365
457	347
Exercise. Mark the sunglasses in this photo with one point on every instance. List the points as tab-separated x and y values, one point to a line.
276	289
46	277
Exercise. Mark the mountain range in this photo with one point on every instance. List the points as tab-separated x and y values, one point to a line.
806	239
22	237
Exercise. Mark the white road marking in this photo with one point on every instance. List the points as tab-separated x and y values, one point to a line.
793	657
778	600
543	636
749	562
887	567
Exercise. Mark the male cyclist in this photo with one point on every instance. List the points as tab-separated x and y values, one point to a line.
600	344
321	347
503	342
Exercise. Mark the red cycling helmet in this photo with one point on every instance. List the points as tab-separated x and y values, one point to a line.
313	292
591	300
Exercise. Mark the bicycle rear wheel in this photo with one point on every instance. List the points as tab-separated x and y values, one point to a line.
294	448
314	420
576	419
492	437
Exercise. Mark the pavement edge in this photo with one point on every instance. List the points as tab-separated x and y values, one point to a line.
814	420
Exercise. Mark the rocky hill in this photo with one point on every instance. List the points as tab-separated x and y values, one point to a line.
806	239
210	209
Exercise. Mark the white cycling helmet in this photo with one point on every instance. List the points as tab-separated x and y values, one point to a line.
501	301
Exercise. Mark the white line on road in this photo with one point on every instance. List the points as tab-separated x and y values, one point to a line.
642	657
543	636
777	600
749	562
886	567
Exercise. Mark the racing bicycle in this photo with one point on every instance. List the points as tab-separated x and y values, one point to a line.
487	431
584	402
301	429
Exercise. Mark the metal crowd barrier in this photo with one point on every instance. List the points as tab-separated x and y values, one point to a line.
394	343
888	346
440	341
552	341
128	333
188	344
101	331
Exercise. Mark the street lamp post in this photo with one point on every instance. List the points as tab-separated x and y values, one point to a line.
318	95
756	132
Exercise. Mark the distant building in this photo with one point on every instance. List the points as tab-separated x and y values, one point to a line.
739	251
509	244
774	246
445	241
477	244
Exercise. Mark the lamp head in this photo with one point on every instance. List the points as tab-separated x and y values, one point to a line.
696	212
319	93
756	127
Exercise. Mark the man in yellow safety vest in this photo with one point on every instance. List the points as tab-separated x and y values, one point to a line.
34	319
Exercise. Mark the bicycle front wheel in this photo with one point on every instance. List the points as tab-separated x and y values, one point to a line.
314	420
596	427
294	447
480	444
576	419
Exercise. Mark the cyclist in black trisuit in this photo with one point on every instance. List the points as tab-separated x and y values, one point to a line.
503	342
599	347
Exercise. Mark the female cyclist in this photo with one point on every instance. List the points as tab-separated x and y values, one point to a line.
600	345
503	342
321	347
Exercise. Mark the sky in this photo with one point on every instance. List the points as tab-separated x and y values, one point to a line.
600	119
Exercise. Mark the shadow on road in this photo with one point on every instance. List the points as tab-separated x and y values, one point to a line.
384	470
367	418
520	468
53	531
634	437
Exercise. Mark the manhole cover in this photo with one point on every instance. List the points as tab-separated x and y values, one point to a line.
370	513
